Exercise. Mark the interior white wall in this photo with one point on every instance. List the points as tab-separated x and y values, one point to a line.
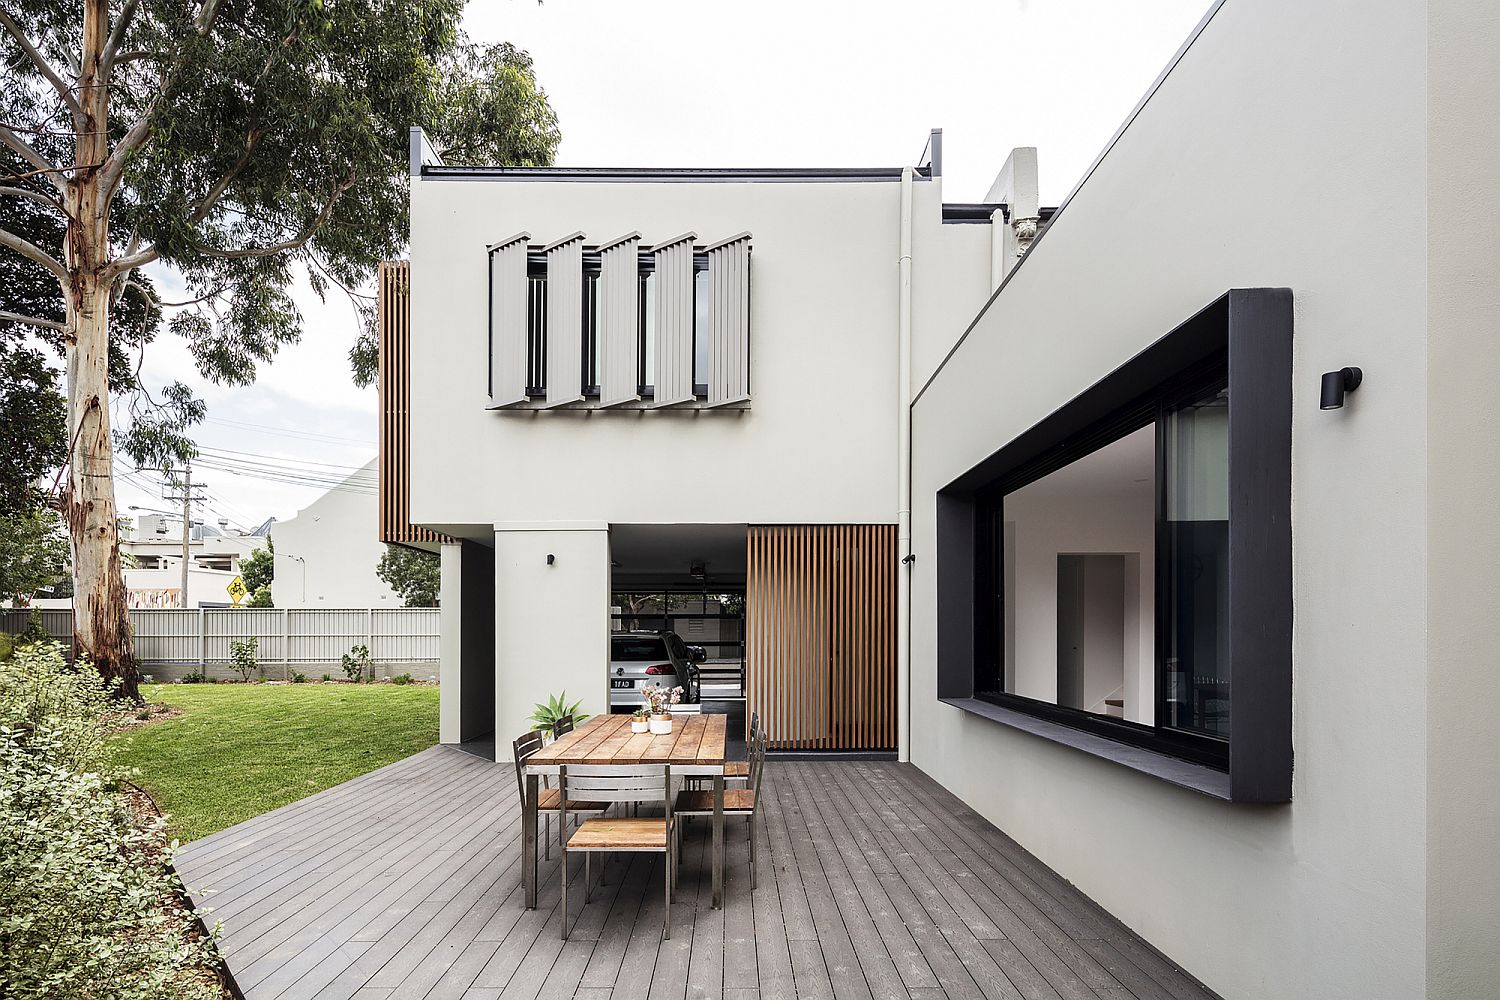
551	621
1287	148
1040	526
1463	468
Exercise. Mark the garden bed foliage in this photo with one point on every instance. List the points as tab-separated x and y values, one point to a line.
89	904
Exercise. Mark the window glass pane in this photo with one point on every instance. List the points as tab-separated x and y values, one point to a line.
1076	552
637	648
648	328
702	327
1195	620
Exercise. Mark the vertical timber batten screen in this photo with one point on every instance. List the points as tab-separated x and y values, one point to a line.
394	314
821	635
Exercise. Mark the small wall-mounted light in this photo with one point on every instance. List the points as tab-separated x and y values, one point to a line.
1335	384
551	559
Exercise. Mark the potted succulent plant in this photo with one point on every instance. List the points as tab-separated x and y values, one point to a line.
659	701
639	721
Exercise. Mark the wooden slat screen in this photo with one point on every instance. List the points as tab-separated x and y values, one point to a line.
394	318
820	607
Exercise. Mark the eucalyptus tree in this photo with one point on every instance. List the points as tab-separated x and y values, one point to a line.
235	142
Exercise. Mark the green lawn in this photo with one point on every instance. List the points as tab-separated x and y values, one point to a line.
244	749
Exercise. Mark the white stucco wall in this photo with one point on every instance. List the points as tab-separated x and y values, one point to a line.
1463	479
551	621
1286	149
326	555
819	441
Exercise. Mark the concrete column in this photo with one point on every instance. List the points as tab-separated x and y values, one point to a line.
551	618
1017	186
450	643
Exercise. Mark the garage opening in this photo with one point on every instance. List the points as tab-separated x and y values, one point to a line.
685	583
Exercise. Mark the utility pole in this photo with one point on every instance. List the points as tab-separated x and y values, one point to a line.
182	490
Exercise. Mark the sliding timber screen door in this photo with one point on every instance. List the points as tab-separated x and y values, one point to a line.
820	606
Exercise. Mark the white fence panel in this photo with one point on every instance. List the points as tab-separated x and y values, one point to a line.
202	636
221	626
404	635
167	635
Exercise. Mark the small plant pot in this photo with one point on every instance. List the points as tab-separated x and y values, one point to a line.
640	726
661	724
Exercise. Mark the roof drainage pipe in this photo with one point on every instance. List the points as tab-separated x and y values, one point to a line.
903	509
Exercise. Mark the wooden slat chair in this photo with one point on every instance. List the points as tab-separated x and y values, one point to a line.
735	771
548	800
626	834
562	727
737	801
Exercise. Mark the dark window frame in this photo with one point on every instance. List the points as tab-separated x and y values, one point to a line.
1253	329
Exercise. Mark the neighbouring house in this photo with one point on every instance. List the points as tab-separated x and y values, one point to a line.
1157	528
326	556
152	546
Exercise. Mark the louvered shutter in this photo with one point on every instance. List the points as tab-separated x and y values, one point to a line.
674	320
507	377
565	320
618	314
729	339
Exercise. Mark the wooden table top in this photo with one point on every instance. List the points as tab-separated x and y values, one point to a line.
696	740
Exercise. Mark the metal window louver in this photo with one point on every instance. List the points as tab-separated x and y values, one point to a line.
507	375
565	320
674	321
729	336
618	324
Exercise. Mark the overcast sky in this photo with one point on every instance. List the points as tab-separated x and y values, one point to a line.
694	83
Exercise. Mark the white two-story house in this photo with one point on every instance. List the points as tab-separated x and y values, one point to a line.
1158	528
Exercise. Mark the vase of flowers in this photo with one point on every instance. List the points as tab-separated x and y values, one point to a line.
658	706
640	721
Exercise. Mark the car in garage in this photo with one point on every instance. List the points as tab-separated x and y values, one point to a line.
637	659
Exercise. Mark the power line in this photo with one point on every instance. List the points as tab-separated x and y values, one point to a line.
367	487
287	431
232	455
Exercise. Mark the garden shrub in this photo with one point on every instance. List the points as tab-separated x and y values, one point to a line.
299	678
83	882
242	652
356	663
7	645
401	679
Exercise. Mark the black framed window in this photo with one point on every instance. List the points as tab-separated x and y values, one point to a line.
1103	569
1117	578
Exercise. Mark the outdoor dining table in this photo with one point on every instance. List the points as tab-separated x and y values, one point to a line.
694	748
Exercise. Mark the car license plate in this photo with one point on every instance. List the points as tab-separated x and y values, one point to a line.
627	683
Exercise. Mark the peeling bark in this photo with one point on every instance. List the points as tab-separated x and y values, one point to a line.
101	628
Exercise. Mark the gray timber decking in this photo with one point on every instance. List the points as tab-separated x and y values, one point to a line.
876	882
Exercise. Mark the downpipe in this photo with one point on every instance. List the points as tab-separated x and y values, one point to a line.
903	507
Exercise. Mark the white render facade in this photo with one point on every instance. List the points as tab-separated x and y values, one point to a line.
326	556
1308	178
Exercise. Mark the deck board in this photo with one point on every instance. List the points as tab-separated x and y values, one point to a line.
404	884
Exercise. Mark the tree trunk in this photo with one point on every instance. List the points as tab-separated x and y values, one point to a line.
101	621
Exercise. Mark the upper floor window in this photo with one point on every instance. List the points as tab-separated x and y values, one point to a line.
619	323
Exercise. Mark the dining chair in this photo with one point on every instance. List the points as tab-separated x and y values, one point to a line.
737	771
562	727
548	800
650	834
737	801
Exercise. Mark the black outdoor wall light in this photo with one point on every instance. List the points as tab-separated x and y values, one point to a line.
551	559
1335	384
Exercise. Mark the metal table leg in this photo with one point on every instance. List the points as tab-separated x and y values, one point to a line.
719	841
528	849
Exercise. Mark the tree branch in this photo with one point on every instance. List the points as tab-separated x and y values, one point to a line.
50	324
117	34
22	148
40	62
36	196
26	249
217	191
295	243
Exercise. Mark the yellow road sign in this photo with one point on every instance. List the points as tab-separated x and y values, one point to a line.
237	589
